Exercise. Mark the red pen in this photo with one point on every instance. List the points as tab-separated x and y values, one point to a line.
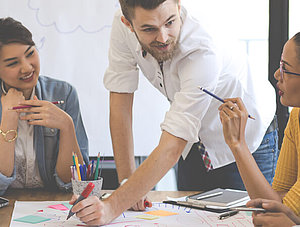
88	189
28	106
88	171
147	204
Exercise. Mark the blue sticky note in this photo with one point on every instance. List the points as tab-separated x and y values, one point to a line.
32	219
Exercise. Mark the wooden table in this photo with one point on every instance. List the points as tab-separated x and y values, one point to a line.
41	195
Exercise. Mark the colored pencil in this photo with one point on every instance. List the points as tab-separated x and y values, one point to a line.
73	156
77	168
97	166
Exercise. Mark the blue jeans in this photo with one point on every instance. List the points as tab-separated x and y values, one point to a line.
192	175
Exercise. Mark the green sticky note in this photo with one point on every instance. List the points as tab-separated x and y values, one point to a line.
67	205
32	219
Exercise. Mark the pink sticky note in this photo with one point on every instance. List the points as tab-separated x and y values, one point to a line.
58	207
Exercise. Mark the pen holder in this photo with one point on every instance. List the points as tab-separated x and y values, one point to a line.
79	186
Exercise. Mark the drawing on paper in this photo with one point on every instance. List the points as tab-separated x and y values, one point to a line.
54	213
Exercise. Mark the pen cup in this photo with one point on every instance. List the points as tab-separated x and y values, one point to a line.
79	186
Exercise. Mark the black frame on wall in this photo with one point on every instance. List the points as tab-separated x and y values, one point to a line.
278	35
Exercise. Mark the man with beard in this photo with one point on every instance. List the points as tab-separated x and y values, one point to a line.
176	55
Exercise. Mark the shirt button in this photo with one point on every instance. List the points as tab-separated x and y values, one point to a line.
160	84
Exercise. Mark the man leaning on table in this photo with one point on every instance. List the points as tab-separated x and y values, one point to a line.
176	55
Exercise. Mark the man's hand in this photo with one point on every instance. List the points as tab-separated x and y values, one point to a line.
140	205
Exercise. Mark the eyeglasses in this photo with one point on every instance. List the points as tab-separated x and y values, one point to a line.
282	70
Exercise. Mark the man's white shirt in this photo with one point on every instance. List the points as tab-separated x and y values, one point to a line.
197	62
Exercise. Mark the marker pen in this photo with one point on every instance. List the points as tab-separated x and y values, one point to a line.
88	189
147	204
228	214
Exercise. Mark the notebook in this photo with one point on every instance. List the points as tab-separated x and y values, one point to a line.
219	197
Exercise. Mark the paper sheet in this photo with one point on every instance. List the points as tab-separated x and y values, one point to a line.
182	216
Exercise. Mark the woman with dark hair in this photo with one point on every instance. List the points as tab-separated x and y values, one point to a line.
286	184
36	143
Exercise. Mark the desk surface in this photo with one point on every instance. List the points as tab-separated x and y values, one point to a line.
40	195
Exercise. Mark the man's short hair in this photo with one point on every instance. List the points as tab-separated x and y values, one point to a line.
128	6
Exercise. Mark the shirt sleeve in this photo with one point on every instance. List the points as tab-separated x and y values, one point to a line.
122	72
190	104
286	174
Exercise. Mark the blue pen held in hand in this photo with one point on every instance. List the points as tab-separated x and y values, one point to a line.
218	98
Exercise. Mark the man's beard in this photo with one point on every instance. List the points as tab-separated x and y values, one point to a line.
160	56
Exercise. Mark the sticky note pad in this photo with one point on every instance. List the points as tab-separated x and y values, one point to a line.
58	207
147	217
161	213
32	219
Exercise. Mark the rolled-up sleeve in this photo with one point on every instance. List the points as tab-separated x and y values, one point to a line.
190	104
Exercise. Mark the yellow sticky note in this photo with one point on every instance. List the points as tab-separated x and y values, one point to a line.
147	217
161	213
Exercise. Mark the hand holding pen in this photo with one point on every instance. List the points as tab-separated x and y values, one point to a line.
29	106
234	123
232	107
44	113
89	188
275	207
